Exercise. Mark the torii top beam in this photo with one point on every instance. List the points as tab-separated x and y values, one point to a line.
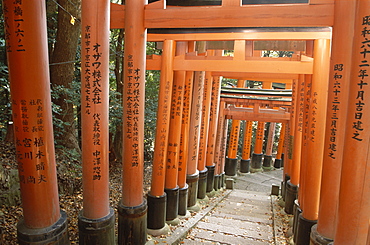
318	13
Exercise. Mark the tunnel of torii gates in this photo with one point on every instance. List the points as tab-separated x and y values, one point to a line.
323	112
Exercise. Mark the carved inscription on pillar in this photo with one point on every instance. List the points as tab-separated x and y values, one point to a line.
335	108
31	149
362	77
13	15
132	108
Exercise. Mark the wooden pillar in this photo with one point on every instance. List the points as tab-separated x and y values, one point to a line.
132	209
246	153
157	199
184	140
95	125
202	154
192	173
26	47
257	150
174	142
224	129
219	141
339	80
354	195
267	158
289	139
231	162
171	186
289	130
298	204
211	143
315	145
292	184
279	154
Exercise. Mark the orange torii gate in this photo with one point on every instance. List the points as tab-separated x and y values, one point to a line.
26	46
136	17
96	212
317	13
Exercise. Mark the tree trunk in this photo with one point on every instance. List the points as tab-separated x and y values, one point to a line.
63	68
118	72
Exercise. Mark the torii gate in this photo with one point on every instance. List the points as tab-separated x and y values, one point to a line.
138	16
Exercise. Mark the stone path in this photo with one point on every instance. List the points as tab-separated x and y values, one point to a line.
244	215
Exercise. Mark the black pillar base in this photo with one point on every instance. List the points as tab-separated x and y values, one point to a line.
277	163
202	184
290	195
183	200
304	230
132	224
172	206
217	182
267	160
283	190
296	211
156	211
256	165
223	180
245	165
192	181
210	178
317	239
282	160
56	234
230	166
97	231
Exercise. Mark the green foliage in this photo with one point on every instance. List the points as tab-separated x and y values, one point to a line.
151	106
274	53
73	93
228	82
115	109
5	106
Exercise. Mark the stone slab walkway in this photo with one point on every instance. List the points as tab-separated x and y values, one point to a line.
244	215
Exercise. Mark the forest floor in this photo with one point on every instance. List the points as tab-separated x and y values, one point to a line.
70	195
70	192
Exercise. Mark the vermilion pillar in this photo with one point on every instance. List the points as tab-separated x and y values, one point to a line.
289	139
95	125
267	158
211	144
192	175
292	184
257	150
279	153
246	153
306	129
157	198
184	142
339	80
202	154
298	203
304	151
231	162
26	46
171	187
224	129
218	146
132	209
354	195
315	145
